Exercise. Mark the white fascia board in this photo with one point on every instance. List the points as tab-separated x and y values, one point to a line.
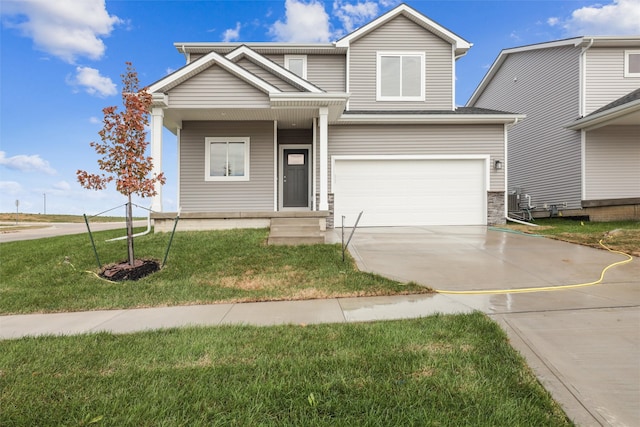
309	99
430	118
601	119
203	63
273	67
459	42
206	47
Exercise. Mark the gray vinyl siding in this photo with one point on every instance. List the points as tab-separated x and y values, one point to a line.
544	158
328	72
612	163
451	140
216	88
198	195
605	80
401	34
267	76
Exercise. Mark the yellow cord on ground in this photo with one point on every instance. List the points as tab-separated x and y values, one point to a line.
545	288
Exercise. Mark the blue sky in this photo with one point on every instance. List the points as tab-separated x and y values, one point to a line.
61	62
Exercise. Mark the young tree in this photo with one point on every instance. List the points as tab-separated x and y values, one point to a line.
123	150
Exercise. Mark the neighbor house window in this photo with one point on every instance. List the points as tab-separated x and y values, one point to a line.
400	76
227	159
297	64
632	63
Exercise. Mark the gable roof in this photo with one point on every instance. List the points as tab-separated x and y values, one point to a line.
460	44
201	64
624	110
578	42
273	68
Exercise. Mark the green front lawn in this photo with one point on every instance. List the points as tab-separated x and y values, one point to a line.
623	236
57	274
438	371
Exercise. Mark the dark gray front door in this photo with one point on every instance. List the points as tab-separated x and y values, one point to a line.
295	178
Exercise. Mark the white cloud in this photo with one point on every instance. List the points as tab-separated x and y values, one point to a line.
354	15
94	120
231	34
92	82
304	22
169	70
10	187
67	29
553	21
620	17
62	185
24	163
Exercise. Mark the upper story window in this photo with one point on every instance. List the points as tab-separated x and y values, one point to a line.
400	76
632	63
226	159
297	64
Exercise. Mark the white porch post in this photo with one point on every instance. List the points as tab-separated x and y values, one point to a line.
157	116
324	154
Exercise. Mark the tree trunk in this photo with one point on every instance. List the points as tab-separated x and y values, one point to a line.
130	232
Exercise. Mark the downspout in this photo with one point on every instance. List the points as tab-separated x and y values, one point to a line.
582	113
583	78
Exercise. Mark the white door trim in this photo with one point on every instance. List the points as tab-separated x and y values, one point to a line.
281	149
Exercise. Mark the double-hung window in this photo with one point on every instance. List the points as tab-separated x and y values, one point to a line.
400	76
632	63
226	159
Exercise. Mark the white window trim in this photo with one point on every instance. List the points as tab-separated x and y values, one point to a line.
379	96
287	58
207	158
628	53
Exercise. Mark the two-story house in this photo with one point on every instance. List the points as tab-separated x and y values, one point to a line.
578	151
367	123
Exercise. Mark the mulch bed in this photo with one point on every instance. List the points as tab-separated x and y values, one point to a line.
123	271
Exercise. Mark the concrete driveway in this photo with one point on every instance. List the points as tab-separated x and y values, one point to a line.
582	343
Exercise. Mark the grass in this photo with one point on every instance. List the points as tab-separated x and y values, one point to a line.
28	217
623	236
439	371
57	274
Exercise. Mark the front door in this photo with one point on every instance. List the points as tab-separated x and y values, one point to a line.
295	178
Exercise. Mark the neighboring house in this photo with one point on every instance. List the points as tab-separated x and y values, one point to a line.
367	123
578	151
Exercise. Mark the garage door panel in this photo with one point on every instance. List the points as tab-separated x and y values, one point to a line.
410	192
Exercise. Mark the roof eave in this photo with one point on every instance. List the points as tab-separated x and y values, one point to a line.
597	120
430	118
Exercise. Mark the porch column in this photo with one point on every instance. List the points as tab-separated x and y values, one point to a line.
157	116
324	154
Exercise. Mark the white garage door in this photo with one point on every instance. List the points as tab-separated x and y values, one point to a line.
394	192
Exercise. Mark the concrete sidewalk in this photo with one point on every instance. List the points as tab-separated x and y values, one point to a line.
336	310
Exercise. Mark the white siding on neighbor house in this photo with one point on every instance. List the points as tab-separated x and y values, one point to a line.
402	35
437	140
605	80
198	195
267	76
544	158
612	163
216	88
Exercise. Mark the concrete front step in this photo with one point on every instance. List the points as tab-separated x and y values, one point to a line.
296	240
295	231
